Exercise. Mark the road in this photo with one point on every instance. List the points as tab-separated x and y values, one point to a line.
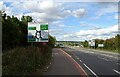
95	64
63	64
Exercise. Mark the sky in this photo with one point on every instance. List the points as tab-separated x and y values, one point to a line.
69	20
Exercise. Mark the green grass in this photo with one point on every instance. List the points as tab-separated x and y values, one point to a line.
25	61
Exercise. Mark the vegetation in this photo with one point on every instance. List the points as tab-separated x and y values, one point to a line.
112	44
25	61
19	56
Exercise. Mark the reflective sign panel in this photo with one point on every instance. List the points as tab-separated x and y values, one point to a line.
37	32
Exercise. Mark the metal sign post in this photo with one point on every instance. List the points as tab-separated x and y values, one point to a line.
92	43
101	46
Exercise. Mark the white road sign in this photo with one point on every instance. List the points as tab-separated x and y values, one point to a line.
37	32
100	45
92	43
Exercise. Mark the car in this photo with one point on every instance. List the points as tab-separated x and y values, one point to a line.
61	46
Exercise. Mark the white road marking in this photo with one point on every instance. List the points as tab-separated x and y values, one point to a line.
90	69
116	71
75	62
80	60
80	67
110	56
77	58
118	63
66	53
104	59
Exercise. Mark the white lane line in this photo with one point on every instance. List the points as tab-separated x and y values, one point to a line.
86	75
66	53
80	60
103	58
77	58
90	69
116	71
110	56
80	68
118	64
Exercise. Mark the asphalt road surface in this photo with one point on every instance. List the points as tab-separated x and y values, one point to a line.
63	64
96	64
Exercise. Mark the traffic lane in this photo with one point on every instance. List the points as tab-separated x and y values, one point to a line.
102	53
99	66
103	56
99	55
61	65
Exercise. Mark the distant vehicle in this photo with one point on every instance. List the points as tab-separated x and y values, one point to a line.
82	46
61	46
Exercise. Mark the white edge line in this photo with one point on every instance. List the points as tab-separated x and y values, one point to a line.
66	53
80	60
89	69
116	71
77	58
118	63
104	59
80	67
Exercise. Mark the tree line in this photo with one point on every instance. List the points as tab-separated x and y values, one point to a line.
109	44
19	56
14	32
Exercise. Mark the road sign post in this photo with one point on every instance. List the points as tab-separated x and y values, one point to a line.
91	43
101	46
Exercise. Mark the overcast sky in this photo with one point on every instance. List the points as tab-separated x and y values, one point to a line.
71	21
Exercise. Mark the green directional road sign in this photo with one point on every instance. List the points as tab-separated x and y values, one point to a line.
31	28
44	26
37	32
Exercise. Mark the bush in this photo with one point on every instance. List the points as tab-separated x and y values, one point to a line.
24	61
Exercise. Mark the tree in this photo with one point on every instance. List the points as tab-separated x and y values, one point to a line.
52	41
14	31
11	35
85	44
26	19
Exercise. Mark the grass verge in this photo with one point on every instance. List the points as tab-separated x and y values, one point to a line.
25	60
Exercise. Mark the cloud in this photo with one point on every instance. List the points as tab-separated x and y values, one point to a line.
109	31
103	33
46	11
61	25
79	12
117	16
89	25
42	6
42	17
41	11
2	6
49	11
56	22
68	0
7	10
55	31
107	10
